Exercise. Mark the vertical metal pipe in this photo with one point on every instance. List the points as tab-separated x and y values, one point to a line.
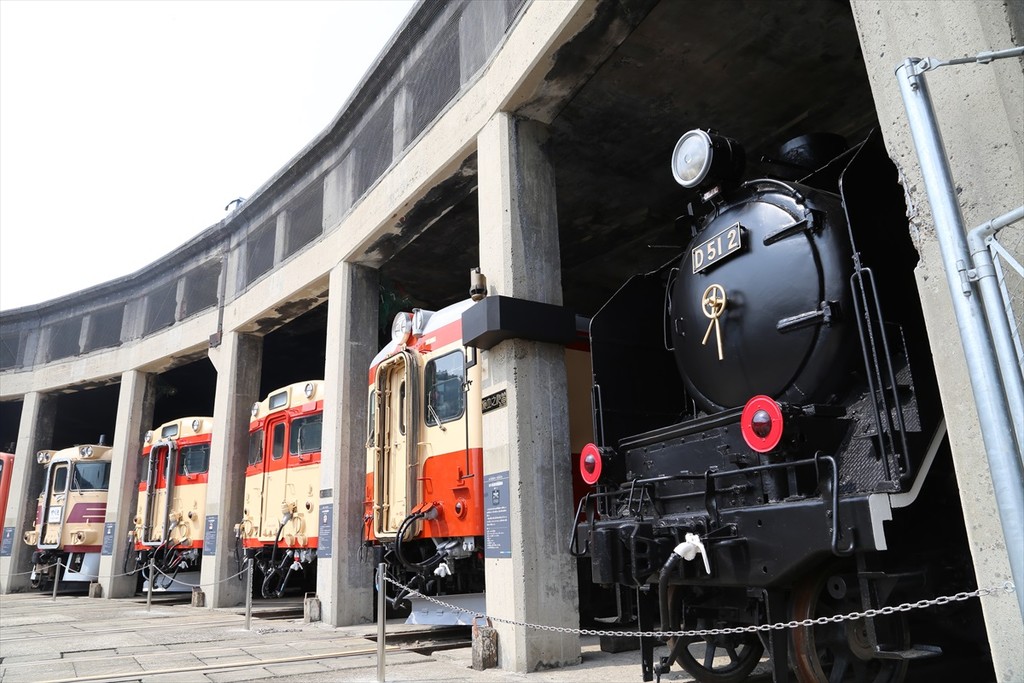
248	595
152	580
992	298
993	411
381	614
56	580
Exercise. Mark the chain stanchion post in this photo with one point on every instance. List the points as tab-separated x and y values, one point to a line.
381	614
248	595
149	590
56	580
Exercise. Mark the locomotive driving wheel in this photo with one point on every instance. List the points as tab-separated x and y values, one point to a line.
842	651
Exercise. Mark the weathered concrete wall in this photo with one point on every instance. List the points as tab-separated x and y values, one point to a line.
980	109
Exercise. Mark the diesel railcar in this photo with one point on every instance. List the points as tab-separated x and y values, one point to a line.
282	487
424	509
68	530
172	503
770	446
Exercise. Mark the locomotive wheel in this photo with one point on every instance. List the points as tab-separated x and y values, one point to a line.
720	659
714	658
838	652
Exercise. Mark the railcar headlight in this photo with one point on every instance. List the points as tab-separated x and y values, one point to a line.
42	457
701	158
86	451
196	424
309	389
255	409
149	436
401	328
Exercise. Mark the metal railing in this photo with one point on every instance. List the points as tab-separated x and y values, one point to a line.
979	307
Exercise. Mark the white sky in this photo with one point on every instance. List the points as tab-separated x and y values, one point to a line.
125	127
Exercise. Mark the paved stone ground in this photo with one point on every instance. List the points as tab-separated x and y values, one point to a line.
77	638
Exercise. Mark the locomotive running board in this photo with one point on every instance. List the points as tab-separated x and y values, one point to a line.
426	612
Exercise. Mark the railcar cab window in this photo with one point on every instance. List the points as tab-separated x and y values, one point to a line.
91	476
277	446
256	447
194	460
305	434
445	398
60	478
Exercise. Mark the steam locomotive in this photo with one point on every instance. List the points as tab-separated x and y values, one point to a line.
785	457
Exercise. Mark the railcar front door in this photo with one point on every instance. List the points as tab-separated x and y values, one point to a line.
55	498
158	492
275	476
394	444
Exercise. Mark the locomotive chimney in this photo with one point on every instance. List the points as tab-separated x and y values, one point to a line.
477	284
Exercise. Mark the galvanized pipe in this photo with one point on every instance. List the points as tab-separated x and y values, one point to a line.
381	619
1002	337
993	410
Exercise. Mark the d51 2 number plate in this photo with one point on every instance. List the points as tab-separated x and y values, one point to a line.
718	247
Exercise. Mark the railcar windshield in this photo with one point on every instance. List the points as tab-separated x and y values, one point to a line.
256	447
277	445
445	399
91	476
60	478
194	459
305	434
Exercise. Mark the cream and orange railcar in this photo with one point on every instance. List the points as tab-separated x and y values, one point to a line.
282	483
172	503
6	471
68	530
424	508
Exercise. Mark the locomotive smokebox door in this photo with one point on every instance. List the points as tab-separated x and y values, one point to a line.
770	267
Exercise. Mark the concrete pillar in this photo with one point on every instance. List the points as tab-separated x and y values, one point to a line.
281	236
135	404
980	109
339	188
35	432
344	582
529	438
238	361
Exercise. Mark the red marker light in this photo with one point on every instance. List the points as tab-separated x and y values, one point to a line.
590	464
761	423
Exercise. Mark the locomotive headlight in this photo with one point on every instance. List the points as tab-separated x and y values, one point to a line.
42	457
196	424
86	451
401	328
691	159
705	158
309	389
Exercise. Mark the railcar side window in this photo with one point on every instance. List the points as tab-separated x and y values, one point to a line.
277	446
305	434
91	476
194	459
445	399
371	424
256	447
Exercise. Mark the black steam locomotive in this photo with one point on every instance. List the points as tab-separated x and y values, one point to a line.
770	444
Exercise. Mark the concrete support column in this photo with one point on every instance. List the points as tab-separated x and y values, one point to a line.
135	405
344	582
238	361
529	438
35	432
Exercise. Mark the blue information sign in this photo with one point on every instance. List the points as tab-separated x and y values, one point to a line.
323	543
497	516
7	544
210	536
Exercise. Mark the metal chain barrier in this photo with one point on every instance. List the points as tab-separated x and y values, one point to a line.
1006	589
199	585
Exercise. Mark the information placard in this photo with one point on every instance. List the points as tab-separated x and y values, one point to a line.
7	544
323	542
210	536
497	516
108	539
